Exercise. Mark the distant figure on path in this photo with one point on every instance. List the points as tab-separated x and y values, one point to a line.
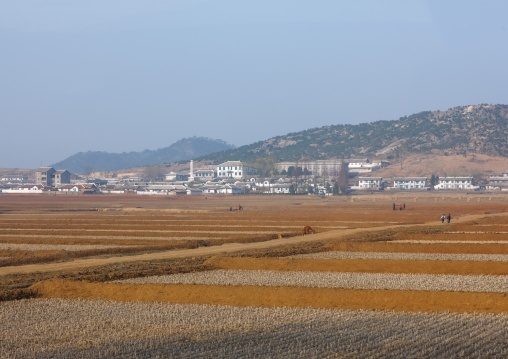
443	218
449	218
400	207
240	207
404	206
394	206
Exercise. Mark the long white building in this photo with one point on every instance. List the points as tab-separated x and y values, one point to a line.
410	182
456	183
235	169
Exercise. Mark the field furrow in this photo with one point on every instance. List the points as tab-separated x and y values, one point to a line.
405	256
78	328
415	247
471	241
280	296
376	281
52	247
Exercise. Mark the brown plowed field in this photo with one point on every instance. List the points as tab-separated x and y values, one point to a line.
298	297
157	230
456	302
419	247
362	265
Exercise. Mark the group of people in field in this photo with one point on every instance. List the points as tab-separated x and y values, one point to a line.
448	218
240	208
443	217
401	206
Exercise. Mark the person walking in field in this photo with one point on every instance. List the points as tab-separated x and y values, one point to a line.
443	218
449	218
394	206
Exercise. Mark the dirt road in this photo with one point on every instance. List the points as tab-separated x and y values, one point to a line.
215	250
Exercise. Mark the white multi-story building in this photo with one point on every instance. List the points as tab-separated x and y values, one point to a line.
204	175
317	168
372	183
280	188
410	182
331	168
364	166
234	169
499	181
456	183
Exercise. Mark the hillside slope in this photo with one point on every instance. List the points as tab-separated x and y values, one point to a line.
184	149
480	129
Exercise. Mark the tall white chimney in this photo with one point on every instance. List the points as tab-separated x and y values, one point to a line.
191	173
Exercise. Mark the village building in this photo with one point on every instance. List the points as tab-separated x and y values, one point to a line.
323	168
409	183
280	188
455	183
222	189
180	176
28	189
369	183
165	190
14	179
235	169
499	181
318	168
204	175
48	176
87	188
364	165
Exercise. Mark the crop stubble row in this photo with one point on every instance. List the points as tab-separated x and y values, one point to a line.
48	328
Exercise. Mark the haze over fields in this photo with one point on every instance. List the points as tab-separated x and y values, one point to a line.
121	76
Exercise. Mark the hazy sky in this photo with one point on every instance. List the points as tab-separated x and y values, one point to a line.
125	75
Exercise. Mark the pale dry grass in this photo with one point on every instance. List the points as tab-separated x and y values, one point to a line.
134	230
53	247
430	241
39	236
52	328
405	256
390	281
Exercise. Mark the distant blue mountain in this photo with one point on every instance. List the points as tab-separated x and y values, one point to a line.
184	149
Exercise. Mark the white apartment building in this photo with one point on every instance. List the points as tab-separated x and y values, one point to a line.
331	168
363	165
234	169
204	175
280	188
318	168
372	183
409	183
499	181
455	183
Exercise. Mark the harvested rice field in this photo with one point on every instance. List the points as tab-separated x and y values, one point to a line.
106	329
128	276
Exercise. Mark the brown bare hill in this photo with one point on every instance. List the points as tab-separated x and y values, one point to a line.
465	130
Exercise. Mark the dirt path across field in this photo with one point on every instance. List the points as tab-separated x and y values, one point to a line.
216	250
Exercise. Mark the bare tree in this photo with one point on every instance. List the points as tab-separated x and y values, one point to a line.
342	180
88	172
154	173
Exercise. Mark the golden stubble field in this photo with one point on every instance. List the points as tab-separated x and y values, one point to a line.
188	277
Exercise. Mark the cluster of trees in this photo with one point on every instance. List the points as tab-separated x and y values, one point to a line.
338	186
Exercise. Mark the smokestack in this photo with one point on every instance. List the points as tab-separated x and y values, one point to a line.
191	172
